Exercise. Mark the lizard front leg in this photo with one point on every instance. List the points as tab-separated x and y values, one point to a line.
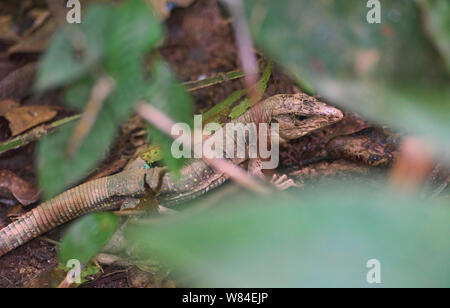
280	182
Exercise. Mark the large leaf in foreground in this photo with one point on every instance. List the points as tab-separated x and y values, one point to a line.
320	238
117	39
87	237
169	96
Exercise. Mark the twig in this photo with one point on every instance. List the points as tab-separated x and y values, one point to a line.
219	78
245	48
100	92
49	240
162	122
35	133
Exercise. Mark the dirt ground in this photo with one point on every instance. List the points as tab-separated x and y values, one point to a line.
199	44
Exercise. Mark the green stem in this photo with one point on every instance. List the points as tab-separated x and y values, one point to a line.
35	134
219	78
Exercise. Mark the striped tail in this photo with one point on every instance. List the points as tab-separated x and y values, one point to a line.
95	195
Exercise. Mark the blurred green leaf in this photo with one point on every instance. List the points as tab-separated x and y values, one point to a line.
56	172
60	64
320	238
437	22
87	236
169	96
77	95
389	71
126	32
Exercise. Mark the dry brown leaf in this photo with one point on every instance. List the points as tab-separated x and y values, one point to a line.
7	34
7	105
39	17
23	191
16	85
15	212
36	41
25	117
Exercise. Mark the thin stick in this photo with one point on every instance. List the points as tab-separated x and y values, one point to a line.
35	133
162	122
49	240
100	92
219	78
245	48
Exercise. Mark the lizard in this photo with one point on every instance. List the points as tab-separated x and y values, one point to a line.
296	114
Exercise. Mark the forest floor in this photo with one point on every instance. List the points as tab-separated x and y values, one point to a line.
199	44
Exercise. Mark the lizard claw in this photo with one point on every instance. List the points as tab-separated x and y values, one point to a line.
282	182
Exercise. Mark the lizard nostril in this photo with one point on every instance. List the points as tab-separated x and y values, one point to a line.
338	114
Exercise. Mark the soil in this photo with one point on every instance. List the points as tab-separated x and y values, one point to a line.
199	44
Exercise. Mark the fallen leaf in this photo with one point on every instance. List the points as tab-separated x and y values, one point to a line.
7	105
15	212
7	35
23	191
39	18
17	84
36	41
25	117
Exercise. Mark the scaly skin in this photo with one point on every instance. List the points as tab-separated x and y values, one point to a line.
296	114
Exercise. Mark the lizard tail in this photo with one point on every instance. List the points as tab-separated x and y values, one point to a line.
92	196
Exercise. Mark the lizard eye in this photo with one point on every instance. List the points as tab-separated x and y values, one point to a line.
300	117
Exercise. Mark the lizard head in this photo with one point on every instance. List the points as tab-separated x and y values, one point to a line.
300	114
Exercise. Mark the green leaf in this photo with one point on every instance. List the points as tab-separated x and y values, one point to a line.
437	21
318	238
388	72
56	171
87	237
169	96
78	94
60	65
